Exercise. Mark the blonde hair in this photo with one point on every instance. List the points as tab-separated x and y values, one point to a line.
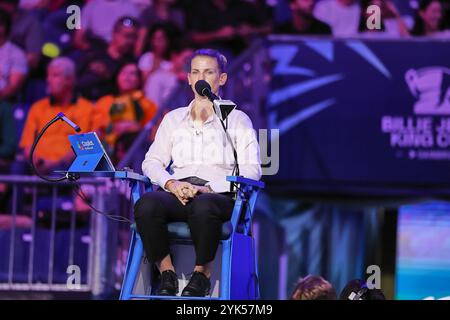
313	288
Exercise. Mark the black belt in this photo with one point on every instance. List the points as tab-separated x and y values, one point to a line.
195	181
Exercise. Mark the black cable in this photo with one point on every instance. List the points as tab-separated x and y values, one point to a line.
79	192
235	171
77	188
236	163
33	167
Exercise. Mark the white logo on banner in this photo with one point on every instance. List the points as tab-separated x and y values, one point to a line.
430	86
425	135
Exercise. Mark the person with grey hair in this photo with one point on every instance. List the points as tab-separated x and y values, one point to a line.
66	65
54	151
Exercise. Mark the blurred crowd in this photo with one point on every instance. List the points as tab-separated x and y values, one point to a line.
113	64
314	287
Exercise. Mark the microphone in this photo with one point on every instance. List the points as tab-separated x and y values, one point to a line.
204	89
222	108
63	117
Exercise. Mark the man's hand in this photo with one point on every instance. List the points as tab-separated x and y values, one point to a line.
182	190
203	189
185	191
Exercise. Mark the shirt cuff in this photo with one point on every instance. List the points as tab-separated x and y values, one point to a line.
161	179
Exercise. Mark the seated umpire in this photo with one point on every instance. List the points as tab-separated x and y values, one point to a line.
195	191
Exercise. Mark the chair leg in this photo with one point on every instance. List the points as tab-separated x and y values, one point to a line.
243	285
132	268
225	278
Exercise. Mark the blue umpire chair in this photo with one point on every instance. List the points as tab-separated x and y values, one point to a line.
235	275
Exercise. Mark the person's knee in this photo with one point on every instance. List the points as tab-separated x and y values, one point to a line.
148	207
205	208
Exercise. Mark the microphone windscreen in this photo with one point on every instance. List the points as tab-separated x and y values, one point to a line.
200	86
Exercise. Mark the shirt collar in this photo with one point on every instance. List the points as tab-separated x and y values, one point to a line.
187	115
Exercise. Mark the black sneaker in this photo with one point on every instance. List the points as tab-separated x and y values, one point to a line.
198	286
169	284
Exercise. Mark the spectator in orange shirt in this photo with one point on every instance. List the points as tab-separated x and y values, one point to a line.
54	151
124	113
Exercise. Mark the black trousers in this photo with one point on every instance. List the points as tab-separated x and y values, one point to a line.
204	214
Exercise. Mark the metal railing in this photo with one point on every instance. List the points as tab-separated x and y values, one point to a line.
35	214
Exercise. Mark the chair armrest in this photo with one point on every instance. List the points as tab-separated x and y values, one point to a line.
132	176
246	181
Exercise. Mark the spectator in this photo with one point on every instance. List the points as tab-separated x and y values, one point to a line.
161	11
341	15
98	20
303	21
125	112
97	67
54	151
313	288
13	66
392	24
157	69
26	31
357	290
429	20
227	24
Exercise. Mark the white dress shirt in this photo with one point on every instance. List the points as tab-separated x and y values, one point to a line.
203	151
343	20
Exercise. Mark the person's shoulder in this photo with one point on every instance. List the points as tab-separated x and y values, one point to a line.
145	102
321	27
82	102
108	99
13	49
39	105
177	113
239	116
325	4
147	56
90	6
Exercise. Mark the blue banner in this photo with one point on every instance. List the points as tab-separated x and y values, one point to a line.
357	116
